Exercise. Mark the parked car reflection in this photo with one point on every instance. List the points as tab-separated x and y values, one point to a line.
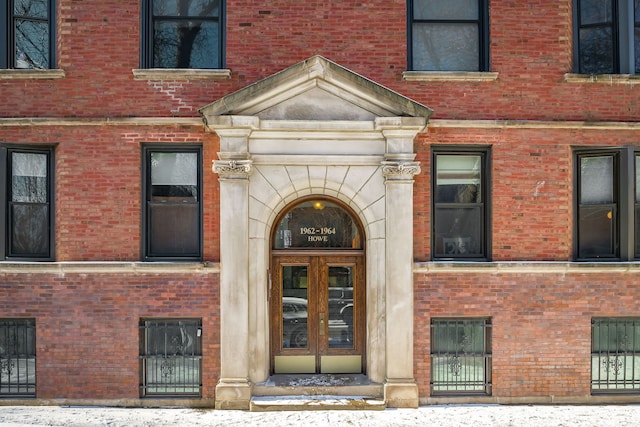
295	330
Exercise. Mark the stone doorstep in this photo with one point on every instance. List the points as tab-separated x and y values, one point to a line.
315	403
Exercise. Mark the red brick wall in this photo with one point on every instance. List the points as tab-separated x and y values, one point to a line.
541	324
531	49
87	337
99	182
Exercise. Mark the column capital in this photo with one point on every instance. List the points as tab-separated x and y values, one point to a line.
400	170
233	169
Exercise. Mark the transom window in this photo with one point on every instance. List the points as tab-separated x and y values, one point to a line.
17	358
607	36
25	192
171	357
460	356
448	35
615	355
182	34
460	220
28	41
608	204
173	203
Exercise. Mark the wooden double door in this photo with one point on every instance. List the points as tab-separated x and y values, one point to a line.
317	314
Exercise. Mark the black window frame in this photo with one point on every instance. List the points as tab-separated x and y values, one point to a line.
622	25
625	245
453	365
18	376
484	254
483	36
147	35
8	58
615	351
147	253
6	252
166	369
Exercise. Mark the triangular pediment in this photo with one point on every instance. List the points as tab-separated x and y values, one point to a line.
316	89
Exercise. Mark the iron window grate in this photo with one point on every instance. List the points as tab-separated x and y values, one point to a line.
460	356
17	358
171	357
615	356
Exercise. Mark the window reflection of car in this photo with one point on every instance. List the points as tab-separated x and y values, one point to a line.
294	324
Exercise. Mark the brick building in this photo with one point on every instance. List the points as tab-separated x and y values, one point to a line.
203	202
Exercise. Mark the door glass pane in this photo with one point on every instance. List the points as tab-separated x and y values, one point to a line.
317	224
295	284
596	180
340	288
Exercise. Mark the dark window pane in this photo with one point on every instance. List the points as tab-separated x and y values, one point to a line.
596	50
459	232
174	229
596	180
186	44
596	224
445	9
637	47
637	236
445	47
31	9
29	230
184	8
595	12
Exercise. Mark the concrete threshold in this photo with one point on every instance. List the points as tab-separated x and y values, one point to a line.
315	403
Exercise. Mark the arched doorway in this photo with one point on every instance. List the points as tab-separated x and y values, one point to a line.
317	293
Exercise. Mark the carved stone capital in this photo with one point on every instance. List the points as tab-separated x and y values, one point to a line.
400	170
232	169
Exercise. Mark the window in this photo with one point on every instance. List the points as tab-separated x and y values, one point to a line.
27	214
460	356
17	358
27	37
448	35
607	36
182	33
171	357
460	220
615	355
173	208
608	201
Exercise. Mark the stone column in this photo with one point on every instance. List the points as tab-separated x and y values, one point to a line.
234	168
398	168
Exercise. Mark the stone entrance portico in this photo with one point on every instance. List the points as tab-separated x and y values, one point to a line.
315	128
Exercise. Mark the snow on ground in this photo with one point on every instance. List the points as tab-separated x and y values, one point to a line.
436	416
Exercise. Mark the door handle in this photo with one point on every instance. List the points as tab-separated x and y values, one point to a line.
321	324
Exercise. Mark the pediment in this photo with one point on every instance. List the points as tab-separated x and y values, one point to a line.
316	89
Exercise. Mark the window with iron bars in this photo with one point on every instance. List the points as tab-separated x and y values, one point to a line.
460	356
615	355
17	358
171	357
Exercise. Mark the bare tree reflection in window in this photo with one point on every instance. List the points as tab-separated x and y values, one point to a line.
186	33
31	20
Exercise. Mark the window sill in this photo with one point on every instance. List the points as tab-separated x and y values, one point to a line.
31	74
542	267
435	76
602	78
180	74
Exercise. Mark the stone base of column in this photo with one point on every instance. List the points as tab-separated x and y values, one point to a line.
401	394
233	394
